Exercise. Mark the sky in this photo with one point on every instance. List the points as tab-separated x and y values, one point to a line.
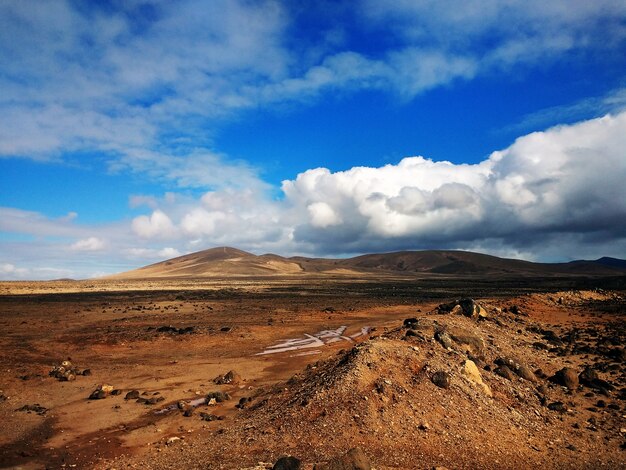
136	131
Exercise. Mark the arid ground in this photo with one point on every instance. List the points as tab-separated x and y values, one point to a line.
323	364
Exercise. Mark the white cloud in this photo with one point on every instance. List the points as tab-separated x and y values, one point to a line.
89	244
147	85
158	225
169	252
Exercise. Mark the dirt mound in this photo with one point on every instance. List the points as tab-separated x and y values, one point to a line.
386	396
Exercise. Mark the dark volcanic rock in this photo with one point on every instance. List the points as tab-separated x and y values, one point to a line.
410	322
132	395
441	379
354	459
287	463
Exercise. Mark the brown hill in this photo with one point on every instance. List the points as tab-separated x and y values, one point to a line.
225	261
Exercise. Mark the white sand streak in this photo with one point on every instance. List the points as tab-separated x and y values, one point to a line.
315	341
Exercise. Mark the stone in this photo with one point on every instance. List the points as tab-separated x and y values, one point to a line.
98	394
566	377
354	459
132	395
504	371
526	373
557	406
410	322
441	379
287	463
470	343
588	376
471	372
219	396
411	332
444	339
231	377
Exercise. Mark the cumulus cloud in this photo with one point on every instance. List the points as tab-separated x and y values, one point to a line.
156	225
563	183
89	244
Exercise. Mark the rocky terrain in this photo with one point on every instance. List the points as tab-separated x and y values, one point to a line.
332	373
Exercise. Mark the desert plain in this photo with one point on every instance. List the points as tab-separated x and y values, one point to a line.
136	373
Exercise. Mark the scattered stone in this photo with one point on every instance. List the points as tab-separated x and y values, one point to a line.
410	322
210	417
557	406
64	372
219	397
231	377
36	408
566	377
243	402
225	329
188	412
132	395
441	379
354	459
98	394
411	332
173	440
287	463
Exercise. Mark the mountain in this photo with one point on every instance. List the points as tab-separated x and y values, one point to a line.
226	261
222	261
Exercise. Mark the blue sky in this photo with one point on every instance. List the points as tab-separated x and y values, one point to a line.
131	132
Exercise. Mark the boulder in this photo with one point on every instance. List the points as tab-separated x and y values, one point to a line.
471	372
231	377
566	377
441	379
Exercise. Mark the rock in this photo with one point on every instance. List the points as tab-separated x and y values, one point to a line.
471	308
243	402
410	322
188	412
470	343
98	394
411	332
231	377
132	395
287	463
354	459
522	370
566	377
526	373
172	440
219	397
471	372
106	388
588	376
209	417
444	339
557	406
36	408
504	371
441	379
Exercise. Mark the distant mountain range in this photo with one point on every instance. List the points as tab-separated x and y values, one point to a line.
226	262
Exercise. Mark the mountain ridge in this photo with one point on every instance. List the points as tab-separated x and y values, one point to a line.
227	261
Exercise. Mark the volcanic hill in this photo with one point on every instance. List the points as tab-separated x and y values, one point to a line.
226	262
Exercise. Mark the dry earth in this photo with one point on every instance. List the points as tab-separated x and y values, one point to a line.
404	393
